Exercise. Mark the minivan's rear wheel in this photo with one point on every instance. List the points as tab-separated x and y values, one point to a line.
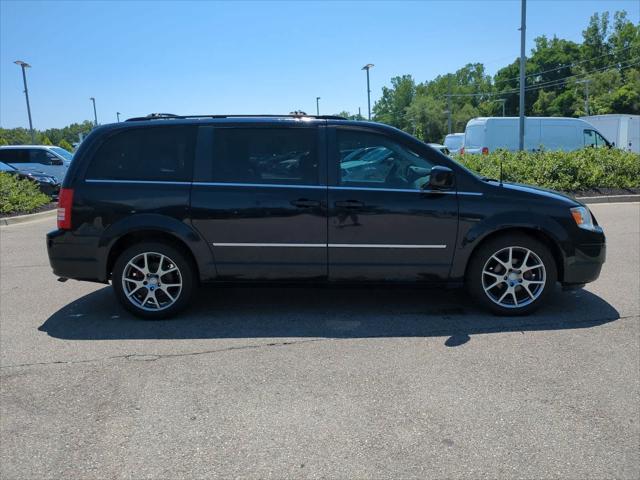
512	275
153	280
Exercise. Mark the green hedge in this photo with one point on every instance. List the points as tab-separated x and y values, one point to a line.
19	196
581	170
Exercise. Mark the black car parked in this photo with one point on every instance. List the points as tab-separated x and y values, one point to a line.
46	183
162	203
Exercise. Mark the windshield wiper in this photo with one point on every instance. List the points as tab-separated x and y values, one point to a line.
489	179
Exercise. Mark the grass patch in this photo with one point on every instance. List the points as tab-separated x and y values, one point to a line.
20	195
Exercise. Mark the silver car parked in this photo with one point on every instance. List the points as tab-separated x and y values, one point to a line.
47	159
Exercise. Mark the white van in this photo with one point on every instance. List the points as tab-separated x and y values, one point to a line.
454	142
486	134
623	130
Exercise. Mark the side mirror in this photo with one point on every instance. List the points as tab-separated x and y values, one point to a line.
56	161
441	178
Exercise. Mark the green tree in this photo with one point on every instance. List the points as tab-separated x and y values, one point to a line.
427	118
391	108
595	47
66	145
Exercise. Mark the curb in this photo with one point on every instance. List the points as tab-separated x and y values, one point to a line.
28	218
610	199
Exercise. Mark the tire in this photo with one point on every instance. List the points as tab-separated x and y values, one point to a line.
506	288
144	290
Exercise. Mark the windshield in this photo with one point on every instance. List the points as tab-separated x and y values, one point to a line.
63	153
5	168
473	136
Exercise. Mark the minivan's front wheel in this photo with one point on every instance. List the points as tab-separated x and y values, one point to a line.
153	280
512	275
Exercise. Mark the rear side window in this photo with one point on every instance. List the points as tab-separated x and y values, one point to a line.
154	153
43	157
16	155
265	155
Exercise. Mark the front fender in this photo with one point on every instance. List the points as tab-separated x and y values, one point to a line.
474	229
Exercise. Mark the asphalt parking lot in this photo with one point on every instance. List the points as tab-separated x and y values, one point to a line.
299	382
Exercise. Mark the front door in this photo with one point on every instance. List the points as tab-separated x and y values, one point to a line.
383	225
259	198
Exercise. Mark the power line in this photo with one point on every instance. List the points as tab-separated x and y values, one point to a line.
570	65
549	83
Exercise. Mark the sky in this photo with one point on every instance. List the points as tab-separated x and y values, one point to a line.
206	57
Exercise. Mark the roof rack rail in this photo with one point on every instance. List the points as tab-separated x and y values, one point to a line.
171	116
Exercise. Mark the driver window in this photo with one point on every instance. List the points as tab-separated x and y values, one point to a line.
589	138
600	141
370	160
593	139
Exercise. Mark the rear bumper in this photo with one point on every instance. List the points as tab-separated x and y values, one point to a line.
74	256
586	263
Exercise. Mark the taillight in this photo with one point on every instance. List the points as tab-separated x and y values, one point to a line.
462	151
485	151
65	202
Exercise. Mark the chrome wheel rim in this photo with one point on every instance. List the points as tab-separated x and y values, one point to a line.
514	277
152	281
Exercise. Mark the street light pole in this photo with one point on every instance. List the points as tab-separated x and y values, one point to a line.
318	106
118	115
367	67
95	115
24	66
523	30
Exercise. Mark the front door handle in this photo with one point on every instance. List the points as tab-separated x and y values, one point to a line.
350	204
305	203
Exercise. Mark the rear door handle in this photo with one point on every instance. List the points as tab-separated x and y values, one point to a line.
305	203
350	204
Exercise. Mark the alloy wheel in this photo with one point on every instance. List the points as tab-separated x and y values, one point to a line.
513	277
152	281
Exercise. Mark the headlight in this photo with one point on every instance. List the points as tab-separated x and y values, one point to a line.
583	218
43	178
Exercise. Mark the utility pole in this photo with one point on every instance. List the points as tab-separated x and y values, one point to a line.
25	65
118	115
449	105
502	101
367	67
359	114
95	115
586	94
318	106
523	31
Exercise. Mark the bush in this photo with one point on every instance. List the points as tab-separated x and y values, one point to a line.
19	195
586	169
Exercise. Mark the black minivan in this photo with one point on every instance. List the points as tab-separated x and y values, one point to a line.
160	204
